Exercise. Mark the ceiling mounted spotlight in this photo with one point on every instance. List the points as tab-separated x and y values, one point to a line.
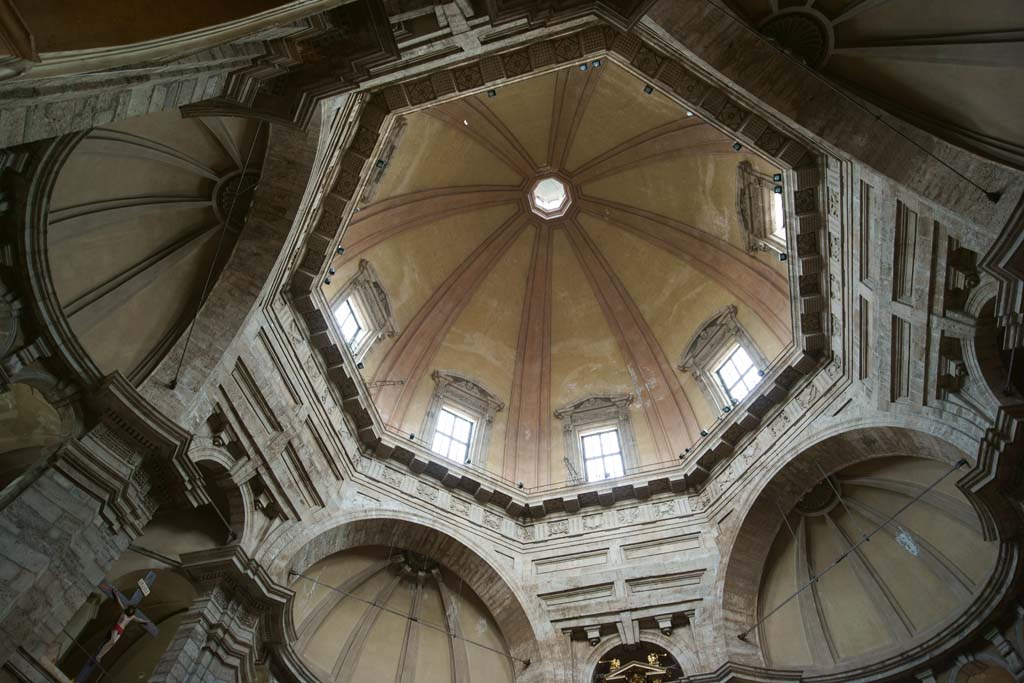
777	189
465	122
727	409
689	113
703	432
737	146
519	485
760	373
327	280
682	455
359	365
783	256
381	163
331	270
340	250
492	93
777	177
648	89
412	436
583	67
596	63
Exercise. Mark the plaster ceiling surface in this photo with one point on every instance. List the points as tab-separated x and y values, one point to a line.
910	577
600	299
953	67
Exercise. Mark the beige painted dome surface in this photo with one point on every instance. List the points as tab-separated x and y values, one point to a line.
913	575
353	623
547	312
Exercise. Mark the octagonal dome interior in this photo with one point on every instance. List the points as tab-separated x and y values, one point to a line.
537	319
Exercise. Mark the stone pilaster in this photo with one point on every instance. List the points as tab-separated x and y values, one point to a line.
64	522
219	639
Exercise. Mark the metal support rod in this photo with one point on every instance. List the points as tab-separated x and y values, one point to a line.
835	490
421	622
785	520
844	555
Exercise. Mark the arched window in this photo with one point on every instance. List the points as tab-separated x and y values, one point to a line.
723	359
599	442
459	418
362	311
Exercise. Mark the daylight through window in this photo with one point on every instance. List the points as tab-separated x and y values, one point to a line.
350	322
738	374
452	435
778	217
602	455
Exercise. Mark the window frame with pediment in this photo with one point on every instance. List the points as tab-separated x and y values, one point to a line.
464	395
713	341
368	297
592	414
755	194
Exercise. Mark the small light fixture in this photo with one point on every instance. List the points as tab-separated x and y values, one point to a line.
648	89
703	432
381	163
327	280
412	436
783	256
492	93
682	455
519	485
468	462
689	113
777	177
340	250
359	365
331	270
777	189
760	373
465	122
596	63
583	67
737	146
686	450
727	409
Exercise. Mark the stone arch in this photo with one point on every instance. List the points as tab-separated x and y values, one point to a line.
986	359
688	661
745	553
232	501
520	620
997	671
134	657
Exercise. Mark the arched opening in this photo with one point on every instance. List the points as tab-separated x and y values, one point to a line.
136	654
641	661
29	426
1002	369
458	564
922	575
376	613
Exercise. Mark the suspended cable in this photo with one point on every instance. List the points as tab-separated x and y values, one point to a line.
992	196
216	255
103	672
422	622
851	549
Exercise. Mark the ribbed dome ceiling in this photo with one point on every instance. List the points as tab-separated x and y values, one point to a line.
600	301
379	614
917	572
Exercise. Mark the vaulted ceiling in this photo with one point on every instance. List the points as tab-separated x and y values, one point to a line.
543	313
953	67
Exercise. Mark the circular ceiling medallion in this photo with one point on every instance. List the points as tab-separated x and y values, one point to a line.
805	34
550	198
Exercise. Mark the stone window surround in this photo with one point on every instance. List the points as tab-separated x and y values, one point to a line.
588	415
754	197
372	302
708	347
467	396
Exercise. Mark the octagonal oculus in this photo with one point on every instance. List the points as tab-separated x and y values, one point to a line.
550	198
